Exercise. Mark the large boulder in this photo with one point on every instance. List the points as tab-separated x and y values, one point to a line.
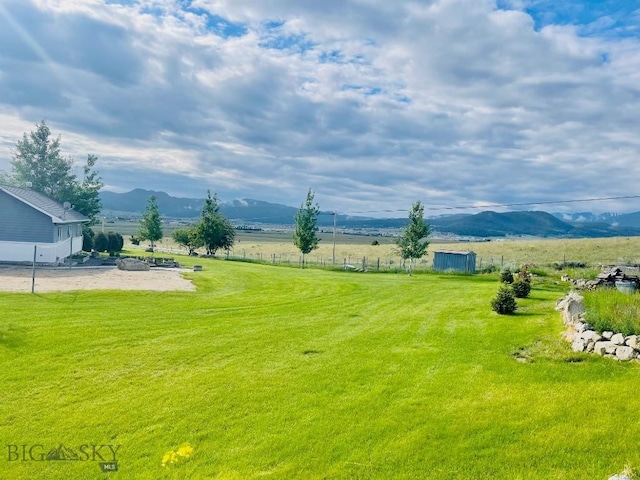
633	341
572	307
132	265
604	347
625	353
590	336
617	339
580	345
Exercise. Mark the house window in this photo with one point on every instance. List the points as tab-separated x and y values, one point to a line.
59	233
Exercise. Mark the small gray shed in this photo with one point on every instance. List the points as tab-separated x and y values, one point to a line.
464	262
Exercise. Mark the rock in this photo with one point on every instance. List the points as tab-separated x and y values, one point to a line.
580	345
580	327
621	476
617	339
571	307
132	265
607	335
632	341
601	347
590	345
625	353
591	336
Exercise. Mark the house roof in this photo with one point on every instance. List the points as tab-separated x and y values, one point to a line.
44	204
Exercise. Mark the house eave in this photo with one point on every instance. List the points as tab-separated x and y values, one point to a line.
59	221
54	218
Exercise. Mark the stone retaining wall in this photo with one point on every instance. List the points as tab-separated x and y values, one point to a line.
584	338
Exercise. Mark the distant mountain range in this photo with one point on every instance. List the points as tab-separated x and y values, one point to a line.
135	202
483	224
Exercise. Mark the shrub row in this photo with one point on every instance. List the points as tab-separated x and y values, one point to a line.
514	286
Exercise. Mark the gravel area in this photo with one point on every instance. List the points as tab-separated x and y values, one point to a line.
48	279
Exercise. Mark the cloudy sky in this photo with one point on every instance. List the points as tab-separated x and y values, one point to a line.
371	103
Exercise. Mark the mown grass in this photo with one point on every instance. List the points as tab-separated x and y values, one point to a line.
287	373
609	309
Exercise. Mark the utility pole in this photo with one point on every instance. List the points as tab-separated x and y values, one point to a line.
335	217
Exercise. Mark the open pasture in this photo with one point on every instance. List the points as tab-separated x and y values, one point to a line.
283	373
278	247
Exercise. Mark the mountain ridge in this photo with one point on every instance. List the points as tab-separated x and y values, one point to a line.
483	224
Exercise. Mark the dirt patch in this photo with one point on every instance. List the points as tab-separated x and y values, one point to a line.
15	279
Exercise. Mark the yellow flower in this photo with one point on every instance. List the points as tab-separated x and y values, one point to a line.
185	451
174	456
169	457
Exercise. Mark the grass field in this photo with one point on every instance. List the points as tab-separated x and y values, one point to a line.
271	372
270	246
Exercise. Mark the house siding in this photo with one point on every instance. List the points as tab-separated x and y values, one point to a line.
21	223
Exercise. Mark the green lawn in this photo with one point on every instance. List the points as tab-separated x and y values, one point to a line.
274	372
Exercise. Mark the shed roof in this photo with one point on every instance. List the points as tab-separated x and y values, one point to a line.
44	204
455	252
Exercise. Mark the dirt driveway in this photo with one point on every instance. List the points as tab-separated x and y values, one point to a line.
18	279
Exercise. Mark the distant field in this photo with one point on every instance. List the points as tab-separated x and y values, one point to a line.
278	246
283	373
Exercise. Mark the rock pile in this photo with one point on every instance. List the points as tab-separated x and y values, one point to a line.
608	278
584	338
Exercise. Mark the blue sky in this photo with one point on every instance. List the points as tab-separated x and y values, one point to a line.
372	104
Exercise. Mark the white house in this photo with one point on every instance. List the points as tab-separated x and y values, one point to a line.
32	221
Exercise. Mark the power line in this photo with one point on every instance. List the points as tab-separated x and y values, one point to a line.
468	207
494	205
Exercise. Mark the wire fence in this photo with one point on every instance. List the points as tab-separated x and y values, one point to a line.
360	263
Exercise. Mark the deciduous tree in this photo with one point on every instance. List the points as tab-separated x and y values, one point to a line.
305	234
413	241
188	237
151	223
37	159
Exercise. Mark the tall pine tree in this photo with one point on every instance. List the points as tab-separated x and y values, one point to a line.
215	231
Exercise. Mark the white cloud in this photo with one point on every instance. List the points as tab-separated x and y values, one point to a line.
372	104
